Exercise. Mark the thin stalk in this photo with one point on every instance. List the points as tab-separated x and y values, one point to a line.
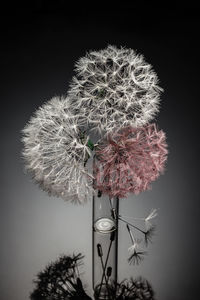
131	225
131	234
100	254
128	217
104	268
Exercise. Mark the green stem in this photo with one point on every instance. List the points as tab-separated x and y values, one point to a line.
90	145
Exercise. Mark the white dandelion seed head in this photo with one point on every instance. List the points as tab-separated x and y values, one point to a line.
115	87
55	152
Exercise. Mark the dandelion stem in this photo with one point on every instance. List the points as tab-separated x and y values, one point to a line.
112	237
130	233
110	203
121	219
127	217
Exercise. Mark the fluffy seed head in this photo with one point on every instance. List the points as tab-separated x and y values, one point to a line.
128	160
55	152
115	87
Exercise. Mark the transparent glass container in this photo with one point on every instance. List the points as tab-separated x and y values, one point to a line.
105	246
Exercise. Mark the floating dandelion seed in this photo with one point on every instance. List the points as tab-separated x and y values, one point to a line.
128	160
153	213
151	216
115	87
133	239
56	151
149	234
137	254
136	257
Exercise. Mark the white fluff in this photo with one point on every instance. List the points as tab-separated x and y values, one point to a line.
153	214
114	87
55	152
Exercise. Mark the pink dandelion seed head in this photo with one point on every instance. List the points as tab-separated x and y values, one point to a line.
129	159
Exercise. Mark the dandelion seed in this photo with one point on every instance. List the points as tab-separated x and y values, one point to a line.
151	216
149	234
136	257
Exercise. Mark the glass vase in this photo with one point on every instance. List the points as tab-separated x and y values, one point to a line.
105	246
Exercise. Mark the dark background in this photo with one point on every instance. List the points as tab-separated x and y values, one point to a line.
40	42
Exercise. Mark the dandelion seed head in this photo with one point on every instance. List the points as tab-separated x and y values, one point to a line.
55	152
128	160
115	87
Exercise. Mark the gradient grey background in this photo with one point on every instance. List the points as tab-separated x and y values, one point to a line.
40	43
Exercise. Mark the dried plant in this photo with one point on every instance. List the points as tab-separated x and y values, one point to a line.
60	280
135	289
56	151
128	160
114	87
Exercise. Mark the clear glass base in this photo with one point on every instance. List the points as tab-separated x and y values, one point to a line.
104	291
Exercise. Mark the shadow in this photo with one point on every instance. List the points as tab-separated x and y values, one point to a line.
60	280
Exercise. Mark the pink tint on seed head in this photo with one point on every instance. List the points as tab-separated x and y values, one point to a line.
129	159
